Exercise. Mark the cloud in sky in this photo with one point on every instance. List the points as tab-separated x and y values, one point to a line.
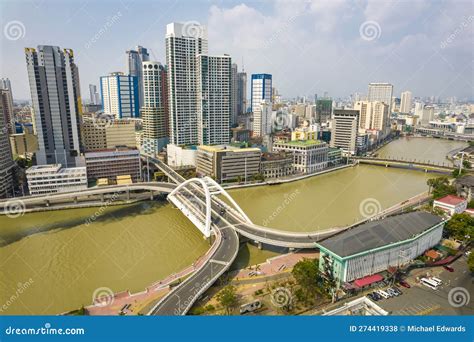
309	46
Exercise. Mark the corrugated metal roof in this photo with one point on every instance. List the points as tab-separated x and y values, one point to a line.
380	233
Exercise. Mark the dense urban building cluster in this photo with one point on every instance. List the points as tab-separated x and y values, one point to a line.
192	112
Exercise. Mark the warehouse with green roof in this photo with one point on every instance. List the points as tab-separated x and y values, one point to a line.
375	246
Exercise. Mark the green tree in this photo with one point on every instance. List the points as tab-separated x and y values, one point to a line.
470	262
227	297
440	187
461	227
307	276
470	204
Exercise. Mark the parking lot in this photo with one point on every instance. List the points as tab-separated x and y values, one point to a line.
421	300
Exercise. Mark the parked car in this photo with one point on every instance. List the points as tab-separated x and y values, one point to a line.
372	297
397	290
404	284
392	292
376	296
448	268
383	294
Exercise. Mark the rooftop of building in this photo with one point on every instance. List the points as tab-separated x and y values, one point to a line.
376	234
221	148
55	168
309	142
451	200
116	149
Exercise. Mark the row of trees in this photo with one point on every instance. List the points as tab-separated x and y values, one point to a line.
440	187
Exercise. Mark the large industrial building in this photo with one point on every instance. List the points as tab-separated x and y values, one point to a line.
375	246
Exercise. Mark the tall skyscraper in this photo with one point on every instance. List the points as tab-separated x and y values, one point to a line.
183	43
323	110
405	102
56	99
7	99
120	95
135	58
214	94
234	95
261	89
241	93
344	130
381	92
6	160
373	115
94	96
154	111
262	118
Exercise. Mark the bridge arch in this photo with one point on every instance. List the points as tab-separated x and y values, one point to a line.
210	188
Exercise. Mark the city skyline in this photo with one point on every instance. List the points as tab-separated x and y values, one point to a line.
369	46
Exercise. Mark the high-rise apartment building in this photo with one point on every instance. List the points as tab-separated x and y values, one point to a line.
373	115
56	99
120	95
405	102
214	99
6	160
323	110
94	96
234	94
381	92
345	127
135	58
241	93
262	118
183	43
154	111
261	89
7	101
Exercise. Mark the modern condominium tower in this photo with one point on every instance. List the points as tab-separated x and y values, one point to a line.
154	111
135	58
183	43
214	99
6	160
381	92
7	99
405	102
241	93
120	95
261	89
56	99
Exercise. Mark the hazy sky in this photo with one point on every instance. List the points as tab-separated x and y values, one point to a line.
309	46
